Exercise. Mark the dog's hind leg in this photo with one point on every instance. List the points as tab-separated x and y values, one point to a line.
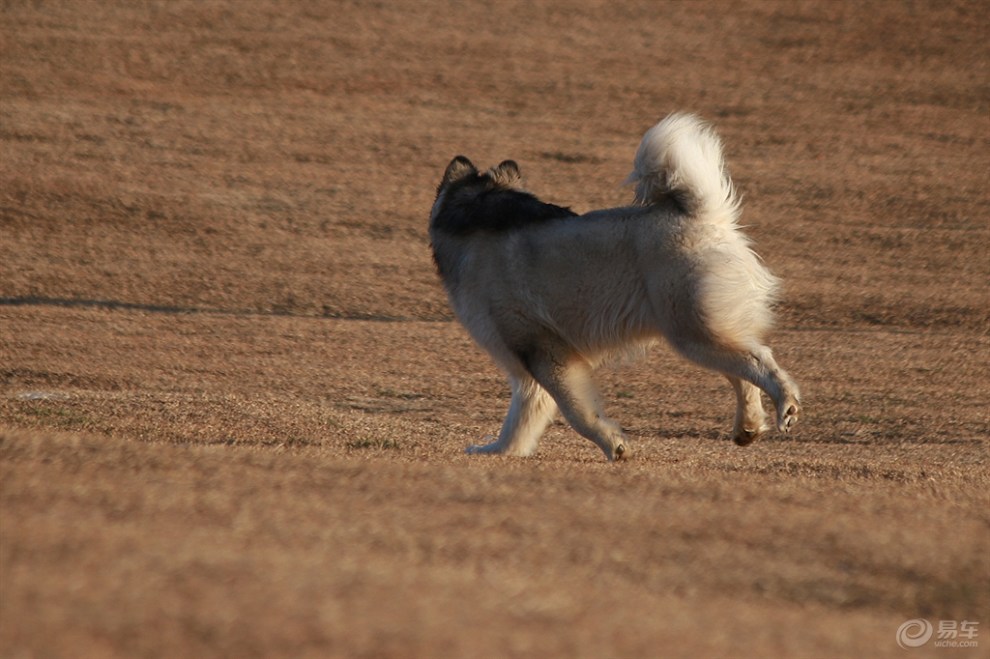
530	412
751	419
568	380
758	367
755	366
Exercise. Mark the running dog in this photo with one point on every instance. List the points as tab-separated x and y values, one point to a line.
551	294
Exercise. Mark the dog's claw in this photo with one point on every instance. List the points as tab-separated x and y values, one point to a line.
787	420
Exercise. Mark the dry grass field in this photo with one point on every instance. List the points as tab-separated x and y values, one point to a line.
234	403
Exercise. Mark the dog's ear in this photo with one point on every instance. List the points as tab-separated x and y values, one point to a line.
458	168
506	174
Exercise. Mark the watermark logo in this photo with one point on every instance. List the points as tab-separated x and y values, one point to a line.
950	633
914	633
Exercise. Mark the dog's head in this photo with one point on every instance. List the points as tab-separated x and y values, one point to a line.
462	179
469	200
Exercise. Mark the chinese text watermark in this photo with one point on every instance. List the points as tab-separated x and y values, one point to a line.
948	634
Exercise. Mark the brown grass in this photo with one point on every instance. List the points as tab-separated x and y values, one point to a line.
233	402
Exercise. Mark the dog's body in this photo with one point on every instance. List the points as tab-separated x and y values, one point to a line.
551	294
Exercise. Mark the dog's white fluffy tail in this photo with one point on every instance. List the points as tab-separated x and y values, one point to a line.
682	156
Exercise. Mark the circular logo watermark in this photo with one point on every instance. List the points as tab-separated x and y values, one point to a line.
914	633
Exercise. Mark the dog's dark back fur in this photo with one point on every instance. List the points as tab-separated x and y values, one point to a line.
488	202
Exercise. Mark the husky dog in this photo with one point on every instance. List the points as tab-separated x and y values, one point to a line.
550	294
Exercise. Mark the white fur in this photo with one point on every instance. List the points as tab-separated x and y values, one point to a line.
551	301
681	154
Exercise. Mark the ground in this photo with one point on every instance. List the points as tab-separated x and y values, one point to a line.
234	403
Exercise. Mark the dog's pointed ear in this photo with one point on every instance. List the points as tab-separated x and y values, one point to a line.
507	174
458	168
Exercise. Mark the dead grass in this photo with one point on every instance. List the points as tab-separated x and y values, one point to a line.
233	403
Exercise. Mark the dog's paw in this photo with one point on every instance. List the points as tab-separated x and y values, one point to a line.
745	437
495	447
787	415
479	449
619	452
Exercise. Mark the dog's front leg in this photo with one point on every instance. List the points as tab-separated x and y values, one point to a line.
530	412
568	380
